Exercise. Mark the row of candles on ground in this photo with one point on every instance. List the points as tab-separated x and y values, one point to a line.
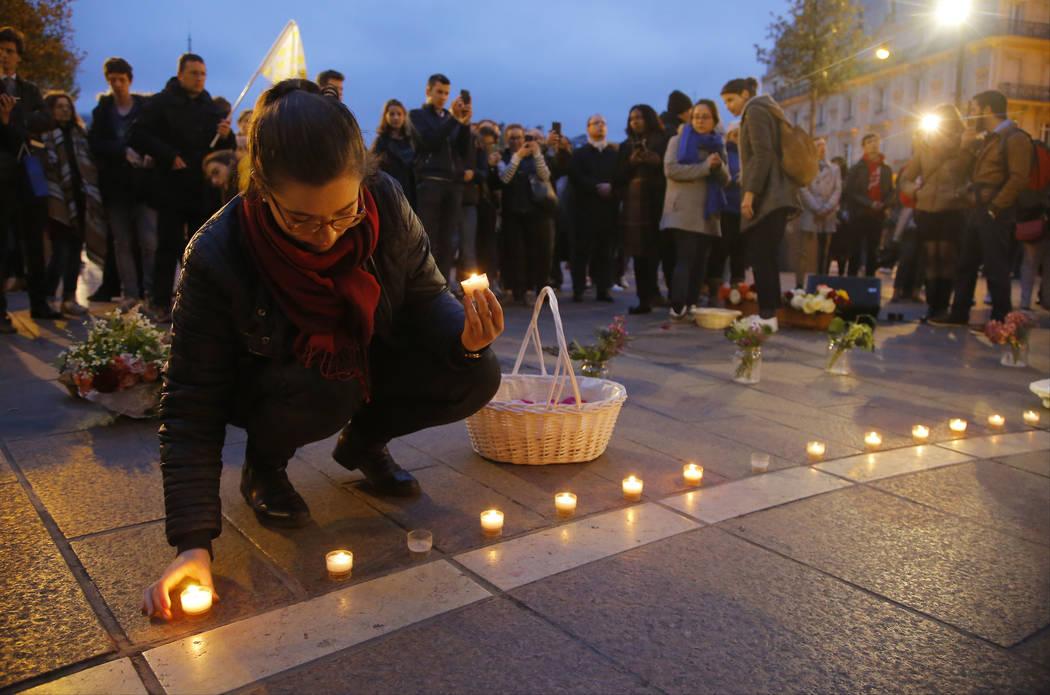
196	600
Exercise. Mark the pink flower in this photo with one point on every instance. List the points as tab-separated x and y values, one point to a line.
127	380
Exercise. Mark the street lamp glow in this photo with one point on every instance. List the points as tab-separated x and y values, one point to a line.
930	122
882	53
952	12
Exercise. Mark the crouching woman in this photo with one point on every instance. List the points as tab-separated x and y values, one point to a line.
309	305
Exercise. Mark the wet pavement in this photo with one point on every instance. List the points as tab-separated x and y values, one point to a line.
911	569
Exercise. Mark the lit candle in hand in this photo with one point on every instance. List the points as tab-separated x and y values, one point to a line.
195	600
475	283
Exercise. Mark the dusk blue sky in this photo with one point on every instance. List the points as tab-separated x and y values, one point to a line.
531	62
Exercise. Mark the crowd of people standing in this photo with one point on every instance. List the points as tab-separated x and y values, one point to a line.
685	193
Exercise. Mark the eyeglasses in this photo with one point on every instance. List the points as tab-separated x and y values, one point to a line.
313	226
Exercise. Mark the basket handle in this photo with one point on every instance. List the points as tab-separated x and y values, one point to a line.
563	361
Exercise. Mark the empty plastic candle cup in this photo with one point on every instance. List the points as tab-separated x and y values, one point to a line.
420	541
759	463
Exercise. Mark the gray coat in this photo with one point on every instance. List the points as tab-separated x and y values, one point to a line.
687	192
760	171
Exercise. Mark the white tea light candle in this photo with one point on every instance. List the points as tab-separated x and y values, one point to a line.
1031	418
475	283
632	488
815	450
195	600
693	474
957	425
565	503
339	562
920	433
759	463
873	440
996	420
492	522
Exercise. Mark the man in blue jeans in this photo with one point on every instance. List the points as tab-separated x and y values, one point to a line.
445	139
999	175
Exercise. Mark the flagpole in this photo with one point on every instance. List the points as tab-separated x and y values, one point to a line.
248	86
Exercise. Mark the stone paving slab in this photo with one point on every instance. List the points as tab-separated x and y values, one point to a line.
1036	649
94	480
450	507
1002	444
1010	500
42	408
112	678
876	465
989	583
123	563
6	474
340	520
1037	462
239	653
494	647
45	621
707	612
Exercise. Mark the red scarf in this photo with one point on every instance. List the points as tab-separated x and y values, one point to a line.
328	296
874	177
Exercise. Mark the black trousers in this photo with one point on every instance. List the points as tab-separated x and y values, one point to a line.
487	249
64	266
174	227
658	249
985	240
411	389
763	242
22	243
732	246
692	250
865	235
593	250
525	252
439	204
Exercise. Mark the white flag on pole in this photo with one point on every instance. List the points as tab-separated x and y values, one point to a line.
286	58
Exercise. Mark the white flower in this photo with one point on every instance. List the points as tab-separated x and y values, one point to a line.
828	306
798	300
811	304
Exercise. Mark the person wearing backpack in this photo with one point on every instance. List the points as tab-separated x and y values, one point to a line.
769	195
995	184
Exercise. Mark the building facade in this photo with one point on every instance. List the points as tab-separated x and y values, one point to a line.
1004	45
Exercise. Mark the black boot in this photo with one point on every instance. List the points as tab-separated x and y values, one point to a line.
373	459
271	496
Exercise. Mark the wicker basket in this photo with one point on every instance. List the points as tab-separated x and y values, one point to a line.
715	318
545	431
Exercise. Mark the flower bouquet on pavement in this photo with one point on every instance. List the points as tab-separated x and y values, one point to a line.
748	338
843	336
612	339
118	365
1014	332
812	310
741	297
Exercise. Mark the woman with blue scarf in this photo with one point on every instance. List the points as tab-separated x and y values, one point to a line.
695	199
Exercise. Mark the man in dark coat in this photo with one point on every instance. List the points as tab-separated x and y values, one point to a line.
444	137
177	128
868	192
22	215
591	172
124	180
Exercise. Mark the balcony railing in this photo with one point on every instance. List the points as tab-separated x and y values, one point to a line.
1018	27
1028	92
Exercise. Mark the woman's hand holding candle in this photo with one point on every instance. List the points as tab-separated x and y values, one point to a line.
194	564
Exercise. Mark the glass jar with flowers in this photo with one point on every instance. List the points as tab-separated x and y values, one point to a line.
594	358
748	338
1014	333
843	336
